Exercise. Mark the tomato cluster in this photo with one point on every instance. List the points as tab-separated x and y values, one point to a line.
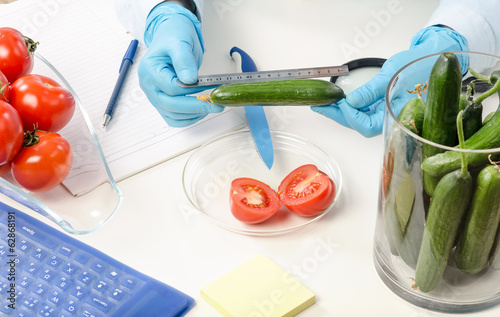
306	191
33	108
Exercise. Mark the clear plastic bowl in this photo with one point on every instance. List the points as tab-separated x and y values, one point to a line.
211	168
84	212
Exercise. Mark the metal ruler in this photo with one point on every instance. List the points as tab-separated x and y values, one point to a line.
297	73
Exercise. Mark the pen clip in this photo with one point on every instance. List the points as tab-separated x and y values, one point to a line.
129	54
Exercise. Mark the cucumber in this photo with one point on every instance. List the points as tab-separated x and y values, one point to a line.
473	118
481	225
292	92
488	117
412	115
442	106
495	253
487	137
448	205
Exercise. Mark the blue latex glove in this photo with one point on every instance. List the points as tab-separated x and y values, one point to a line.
363	109
175	51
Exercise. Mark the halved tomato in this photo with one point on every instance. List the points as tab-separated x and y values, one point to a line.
307	191
252	201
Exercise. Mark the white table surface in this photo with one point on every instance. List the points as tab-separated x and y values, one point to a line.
156	232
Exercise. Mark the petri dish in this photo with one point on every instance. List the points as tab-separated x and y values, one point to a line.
75	213
210	169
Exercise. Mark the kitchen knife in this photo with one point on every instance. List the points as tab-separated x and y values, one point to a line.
256	117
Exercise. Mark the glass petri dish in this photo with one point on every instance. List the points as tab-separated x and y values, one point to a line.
75	213
209	171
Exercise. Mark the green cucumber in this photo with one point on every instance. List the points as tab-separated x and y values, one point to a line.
473	118
412	115
442	106
488	117
448	205
495	253
487	137
292	92
481	225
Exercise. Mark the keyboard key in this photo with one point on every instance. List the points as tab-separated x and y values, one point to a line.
40	289
101	286
100	303
25	282
31	302
113	275
39	254
70	268
56	297
90	313
32	268
117	294
54	261
78	292
4	308
71	306
36	235
47	311
66	250
97	266
82	258
63	283
47	275
129	282
3	250
25	246
85	277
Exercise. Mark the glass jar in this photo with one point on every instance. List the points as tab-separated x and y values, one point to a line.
434	246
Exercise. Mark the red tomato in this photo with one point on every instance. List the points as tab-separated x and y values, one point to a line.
4	88
44	165
11	132
41	101
16	54
4	169
251	201
307	191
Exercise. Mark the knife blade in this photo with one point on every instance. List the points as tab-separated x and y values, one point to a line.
256	117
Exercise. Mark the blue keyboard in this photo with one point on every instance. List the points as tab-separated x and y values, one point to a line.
46	273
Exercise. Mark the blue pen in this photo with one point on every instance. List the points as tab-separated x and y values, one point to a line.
127	60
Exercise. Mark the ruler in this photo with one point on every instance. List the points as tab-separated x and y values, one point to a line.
297	73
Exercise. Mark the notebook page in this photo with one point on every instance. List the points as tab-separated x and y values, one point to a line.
85	42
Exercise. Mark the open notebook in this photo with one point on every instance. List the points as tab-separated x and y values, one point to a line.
85	42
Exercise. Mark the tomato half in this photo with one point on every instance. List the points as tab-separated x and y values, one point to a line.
307	191
42	102
11	132
4	88
44	165
16	54
252	201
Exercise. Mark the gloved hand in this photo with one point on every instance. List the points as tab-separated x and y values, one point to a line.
363	109
175	51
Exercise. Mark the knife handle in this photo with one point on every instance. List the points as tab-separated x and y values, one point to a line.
247	64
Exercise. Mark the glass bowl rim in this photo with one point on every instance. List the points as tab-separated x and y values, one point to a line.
388	108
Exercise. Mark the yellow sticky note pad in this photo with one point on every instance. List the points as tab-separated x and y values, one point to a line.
258	288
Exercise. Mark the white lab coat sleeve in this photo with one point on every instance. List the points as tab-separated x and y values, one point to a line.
476	20
133	13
